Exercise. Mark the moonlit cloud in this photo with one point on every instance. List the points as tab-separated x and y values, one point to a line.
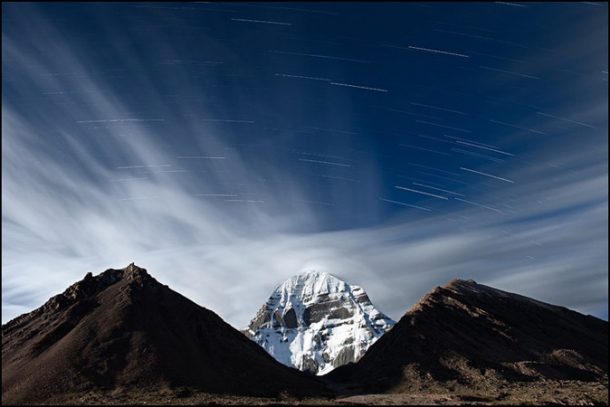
64	213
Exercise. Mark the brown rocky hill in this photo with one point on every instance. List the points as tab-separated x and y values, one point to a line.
124	330
467	335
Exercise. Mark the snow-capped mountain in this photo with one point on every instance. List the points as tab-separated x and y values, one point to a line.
316	322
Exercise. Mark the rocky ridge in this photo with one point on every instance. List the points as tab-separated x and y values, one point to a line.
471	336
122	331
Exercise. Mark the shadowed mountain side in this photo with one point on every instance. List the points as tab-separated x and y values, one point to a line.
121	330
468	334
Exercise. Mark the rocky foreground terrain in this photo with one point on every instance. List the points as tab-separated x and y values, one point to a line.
121	337
562	392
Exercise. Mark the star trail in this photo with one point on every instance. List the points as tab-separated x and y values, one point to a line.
225	146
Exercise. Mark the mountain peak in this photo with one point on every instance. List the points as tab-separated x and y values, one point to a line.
89	287
458	289
132	268
464	286
476	335
137	274
459	282
121	329
308	271
313	274
315	322
310	283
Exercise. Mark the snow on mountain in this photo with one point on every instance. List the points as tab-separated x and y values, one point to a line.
316	322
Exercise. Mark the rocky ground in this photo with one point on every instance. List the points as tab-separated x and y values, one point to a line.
562	392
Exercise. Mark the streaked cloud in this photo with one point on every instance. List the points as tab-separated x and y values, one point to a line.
228	216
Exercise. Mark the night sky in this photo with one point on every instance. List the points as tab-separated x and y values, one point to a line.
228	146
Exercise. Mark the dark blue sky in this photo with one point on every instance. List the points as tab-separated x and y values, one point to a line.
396	145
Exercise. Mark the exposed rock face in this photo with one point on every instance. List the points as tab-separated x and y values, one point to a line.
123	330
468	334
316	322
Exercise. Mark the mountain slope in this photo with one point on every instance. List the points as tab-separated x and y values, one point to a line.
122	329
316	322
468	334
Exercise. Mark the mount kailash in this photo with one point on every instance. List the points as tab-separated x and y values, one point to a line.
316	322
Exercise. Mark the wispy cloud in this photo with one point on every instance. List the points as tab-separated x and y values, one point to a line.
65	214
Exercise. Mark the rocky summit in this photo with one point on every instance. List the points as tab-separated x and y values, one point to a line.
316	322
489	343
123	331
